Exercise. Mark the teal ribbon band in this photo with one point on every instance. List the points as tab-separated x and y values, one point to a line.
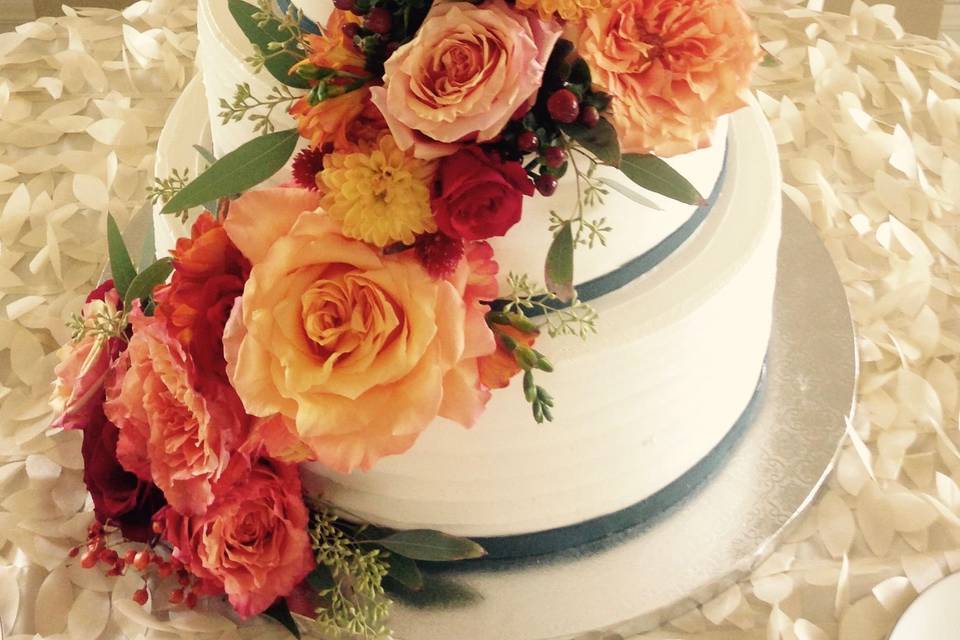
632	518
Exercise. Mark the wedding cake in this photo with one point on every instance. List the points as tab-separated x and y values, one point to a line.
684	312
423	272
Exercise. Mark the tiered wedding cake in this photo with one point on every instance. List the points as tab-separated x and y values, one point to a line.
684	296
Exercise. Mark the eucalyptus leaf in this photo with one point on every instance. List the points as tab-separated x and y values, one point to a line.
121	266
142	286
205	153
148	250
246	166
634	195
650	172
558	271
280	611
600	140
430	545
405	571
261	35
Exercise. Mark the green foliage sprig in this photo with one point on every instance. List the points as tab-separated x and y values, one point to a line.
163	190
259	111
277	39
349	579
527	358
576	319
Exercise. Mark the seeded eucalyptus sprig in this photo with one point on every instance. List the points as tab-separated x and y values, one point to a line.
259	111
164	189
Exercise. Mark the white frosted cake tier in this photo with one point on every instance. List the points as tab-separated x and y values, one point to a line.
635	228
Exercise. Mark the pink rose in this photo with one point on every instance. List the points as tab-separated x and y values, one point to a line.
358	351
252	542
84	363
176	428
465	73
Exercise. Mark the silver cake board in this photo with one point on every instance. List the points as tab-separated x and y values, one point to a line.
636	580
643	577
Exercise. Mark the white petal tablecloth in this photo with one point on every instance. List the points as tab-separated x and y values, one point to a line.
867	120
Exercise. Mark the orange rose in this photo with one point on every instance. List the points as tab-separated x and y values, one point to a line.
672	68
359	351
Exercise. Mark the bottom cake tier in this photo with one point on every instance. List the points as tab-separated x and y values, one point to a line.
676	361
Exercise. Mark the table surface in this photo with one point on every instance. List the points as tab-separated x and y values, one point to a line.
867	121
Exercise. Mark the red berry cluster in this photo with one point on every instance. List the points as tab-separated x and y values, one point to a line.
97	552
386	25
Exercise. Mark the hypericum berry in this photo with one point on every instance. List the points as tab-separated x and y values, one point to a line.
164	569
183	578
129	556
379	20
589	116
438	253
157	527
74	552
109	556
343	5
546	184
89	559
176	597
306	166
140	596
563	106
555	157
141	560
528	141
191	600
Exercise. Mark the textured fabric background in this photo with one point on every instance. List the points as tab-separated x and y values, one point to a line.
867	121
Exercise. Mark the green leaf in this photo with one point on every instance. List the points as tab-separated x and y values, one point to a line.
650	172
148	250
405	571
580	73
205	153
142	286
280	612
600	140
558	271
262	35
430	545
121	266
246	166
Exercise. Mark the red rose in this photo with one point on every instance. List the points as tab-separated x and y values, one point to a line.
118	495
477	195
209	274
252	543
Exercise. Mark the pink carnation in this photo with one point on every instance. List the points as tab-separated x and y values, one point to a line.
84	363
672	68
176	429
252	542
465	73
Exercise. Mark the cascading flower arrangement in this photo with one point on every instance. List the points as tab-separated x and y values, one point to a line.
333	319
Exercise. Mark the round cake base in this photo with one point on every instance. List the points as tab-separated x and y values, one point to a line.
636	580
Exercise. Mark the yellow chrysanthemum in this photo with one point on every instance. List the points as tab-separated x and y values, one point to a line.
380	195
566	9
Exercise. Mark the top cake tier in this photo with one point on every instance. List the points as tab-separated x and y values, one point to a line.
636	229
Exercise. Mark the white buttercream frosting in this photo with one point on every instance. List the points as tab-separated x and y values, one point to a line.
675	362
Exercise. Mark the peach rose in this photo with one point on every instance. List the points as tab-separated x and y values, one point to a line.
359	351
177	428
672	68
252	543
465	73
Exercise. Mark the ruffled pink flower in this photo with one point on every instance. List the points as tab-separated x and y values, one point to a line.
84	363
672	68
465	73
177	428
251	543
